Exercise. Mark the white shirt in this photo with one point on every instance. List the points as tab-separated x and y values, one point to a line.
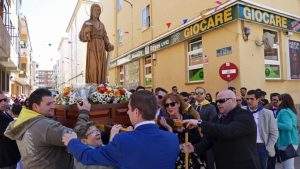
144	122
256	118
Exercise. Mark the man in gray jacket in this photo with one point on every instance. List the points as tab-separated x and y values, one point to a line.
38	136
267	131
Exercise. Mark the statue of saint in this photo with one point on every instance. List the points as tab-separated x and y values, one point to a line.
93	32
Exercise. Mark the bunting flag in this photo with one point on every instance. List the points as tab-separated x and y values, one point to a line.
184	21
168	24
218	2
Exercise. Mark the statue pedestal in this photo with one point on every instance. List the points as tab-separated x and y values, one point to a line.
101	114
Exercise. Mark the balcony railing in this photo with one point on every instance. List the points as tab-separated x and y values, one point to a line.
4	42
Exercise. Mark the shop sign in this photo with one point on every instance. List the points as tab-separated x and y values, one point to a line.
294	53
260	16
138	54
224	51
228	71
123	60
209	23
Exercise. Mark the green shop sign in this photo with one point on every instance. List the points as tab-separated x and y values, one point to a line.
268	18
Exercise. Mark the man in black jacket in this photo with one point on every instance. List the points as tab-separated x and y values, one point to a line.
9	152
232	135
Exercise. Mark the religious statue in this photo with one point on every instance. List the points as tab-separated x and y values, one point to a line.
93	32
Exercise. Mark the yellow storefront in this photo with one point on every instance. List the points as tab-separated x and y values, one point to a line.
264	44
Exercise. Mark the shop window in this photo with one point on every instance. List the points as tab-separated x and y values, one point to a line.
195	61
148	71
119	4
121	75
146	17
271	54
120	36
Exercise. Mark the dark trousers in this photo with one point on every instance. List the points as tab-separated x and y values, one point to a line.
271	162
262	155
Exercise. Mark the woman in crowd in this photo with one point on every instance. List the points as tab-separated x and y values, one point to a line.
287	125
178	110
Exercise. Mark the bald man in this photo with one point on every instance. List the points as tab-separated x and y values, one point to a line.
231	135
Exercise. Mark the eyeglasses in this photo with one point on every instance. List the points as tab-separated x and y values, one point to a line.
94	132
4	99
172	104
238	100
221	101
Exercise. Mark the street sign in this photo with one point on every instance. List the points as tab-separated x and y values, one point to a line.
228	71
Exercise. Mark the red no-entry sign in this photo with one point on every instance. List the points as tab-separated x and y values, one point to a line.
228	71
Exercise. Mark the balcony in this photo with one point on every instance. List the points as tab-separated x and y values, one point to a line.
4	43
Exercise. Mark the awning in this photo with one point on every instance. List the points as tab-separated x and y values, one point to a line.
8	65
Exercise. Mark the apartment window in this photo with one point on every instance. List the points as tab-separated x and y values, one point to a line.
121	74
195	61
119	4
146	17
120	36
271	54
148	71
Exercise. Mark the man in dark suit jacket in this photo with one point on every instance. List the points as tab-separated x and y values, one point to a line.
9	152
232	136
145	147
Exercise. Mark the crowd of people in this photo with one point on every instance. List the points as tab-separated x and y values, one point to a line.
236	130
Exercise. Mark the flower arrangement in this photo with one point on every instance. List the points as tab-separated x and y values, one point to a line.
95	94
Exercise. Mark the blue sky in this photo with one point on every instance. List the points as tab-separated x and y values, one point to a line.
47	22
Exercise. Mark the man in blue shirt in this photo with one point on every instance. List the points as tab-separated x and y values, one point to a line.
145	147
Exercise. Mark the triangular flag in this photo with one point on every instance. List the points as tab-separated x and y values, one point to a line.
168	24
184	21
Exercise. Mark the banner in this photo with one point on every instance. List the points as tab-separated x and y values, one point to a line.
294	53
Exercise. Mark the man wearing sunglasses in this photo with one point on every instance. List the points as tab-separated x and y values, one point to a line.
232	135
9	152
206	110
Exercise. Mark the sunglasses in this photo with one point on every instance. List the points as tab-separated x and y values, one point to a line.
172	104
160	96
238	100
5	100
221	101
